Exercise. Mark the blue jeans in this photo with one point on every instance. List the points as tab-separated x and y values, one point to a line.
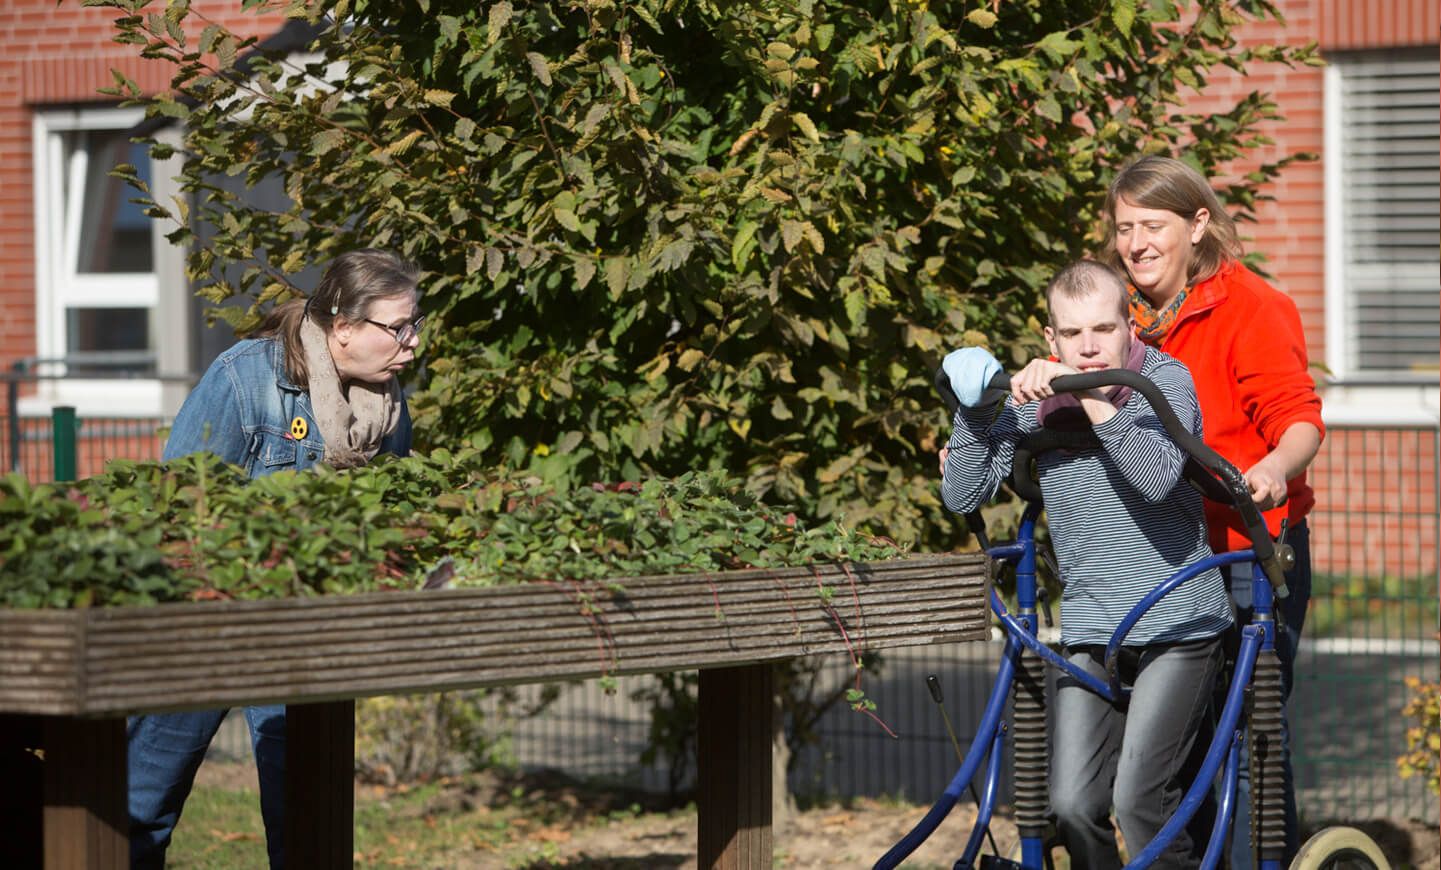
166	749
1128	756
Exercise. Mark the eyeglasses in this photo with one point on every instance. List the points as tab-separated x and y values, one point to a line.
402	333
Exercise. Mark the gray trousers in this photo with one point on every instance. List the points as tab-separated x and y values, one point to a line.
1127	756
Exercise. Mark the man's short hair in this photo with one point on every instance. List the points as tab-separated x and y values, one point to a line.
1081	279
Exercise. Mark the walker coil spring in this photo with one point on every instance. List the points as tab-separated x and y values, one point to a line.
1268	787
1029	710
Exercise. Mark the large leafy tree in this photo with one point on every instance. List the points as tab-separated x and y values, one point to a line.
673	234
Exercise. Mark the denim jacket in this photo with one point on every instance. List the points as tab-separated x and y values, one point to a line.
246	411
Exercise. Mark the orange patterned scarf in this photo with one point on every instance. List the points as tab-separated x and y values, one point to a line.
1152	325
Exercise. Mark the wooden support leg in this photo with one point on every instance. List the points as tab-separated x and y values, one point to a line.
22	795
733	748
86	819
320	785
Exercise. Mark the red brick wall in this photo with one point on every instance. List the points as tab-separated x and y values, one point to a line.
59	55
1355	24
1290	229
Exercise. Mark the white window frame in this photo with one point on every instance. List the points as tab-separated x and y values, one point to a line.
1352	397
58	284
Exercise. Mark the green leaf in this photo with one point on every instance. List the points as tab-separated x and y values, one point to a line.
498	18
208	37
983	18
781	51
806	126
438	97
584	271
449	28
617	273
1058	45
674	255
326	141
814	237
169	108
689	359
1123	15
567	219
404	143
225	51
855	302
791	234
539	67
743	243
1048	108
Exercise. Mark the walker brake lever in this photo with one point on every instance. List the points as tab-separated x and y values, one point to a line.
1285	553
1043	598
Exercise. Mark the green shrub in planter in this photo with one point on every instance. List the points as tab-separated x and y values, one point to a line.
195	529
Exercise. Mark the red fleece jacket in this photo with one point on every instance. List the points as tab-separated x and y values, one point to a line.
1241	338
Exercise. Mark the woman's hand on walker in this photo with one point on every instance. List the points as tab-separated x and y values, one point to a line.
1268	487
945	451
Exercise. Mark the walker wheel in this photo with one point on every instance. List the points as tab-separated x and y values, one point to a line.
1340	848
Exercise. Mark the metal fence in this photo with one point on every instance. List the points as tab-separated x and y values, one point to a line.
27	444
1372	623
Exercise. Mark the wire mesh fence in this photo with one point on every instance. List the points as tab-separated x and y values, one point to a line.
1372	622
27	440
29	446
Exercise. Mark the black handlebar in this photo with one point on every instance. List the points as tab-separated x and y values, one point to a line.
1203	469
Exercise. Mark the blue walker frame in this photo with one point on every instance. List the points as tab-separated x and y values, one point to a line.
1257	644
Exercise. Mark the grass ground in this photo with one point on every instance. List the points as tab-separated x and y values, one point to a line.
546	822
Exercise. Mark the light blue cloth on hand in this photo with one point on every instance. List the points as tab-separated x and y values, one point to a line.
970	370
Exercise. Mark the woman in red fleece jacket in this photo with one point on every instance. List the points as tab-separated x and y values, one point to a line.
1242	341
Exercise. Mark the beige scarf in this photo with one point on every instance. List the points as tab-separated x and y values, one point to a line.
352	419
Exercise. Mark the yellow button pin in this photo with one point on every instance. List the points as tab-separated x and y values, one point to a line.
298	428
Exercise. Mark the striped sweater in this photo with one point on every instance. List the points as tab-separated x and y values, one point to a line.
1121	518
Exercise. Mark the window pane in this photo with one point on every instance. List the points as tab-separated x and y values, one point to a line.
114	232
1389	136
90	330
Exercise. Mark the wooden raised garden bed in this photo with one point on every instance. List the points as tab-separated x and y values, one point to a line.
68	678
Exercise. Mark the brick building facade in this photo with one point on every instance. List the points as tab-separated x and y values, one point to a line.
53	60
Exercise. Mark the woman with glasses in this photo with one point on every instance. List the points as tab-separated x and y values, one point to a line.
317	382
